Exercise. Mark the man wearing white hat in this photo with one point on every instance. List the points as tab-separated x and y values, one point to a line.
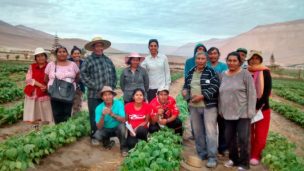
96	72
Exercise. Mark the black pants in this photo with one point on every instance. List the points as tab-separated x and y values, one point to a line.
151	94
237	137
177	125
92	104
104	135
221	138
141	134
61	111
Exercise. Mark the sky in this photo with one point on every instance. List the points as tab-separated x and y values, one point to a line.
174	22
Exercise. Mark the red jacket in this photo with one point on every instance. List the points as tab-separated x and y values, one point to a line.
38	75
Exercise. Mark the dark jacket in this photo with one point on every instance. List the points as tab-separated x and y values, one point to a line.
79	84
209	85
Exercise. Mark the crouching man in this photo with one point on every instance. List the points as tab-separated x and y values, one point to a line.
110	119
165	112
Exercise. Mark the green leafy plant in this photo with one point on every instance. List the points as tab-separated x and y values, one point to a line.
21	152
10	94
291	113
279	154
11	115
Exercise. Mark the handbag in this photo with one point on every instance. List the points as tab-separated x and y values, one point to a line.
61	90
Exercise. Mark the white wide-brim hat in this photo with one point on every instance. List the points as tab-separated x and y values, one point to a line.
40	50
90	46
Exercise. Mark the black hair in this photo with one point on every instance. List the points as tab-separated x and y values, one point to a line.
136	90
153	40
130	59
214	48
74	49
60	47
43	54
234	54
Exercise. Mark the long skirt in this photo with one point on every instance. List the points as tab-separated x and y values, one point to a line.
37	110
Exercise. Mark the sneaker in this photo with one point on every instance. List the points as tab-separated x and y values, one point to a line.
109	144
241	168
229	163
254	162
95	142
211	163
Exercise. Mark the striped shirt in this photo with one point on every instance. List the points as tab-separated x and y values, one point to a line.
96	72
209	82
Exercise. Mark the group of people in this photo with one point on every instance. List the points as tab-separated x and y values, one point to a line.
222	98
146	106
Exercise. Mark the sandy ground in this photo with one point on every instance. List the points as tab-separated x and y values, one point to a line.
81	156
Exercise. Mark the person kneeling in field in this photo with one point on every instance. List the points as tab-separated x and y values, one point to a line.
165	112
110	118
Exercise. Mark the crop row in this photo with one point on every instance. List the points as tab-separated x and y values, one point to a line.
10	94
289	112
11	115
21	152
279	154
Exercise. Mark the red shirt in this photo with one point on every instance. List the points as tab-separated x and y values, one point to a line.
170	107
136	117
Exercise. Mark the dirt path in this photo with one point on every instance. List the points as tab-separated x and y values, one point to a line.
15	129
281	99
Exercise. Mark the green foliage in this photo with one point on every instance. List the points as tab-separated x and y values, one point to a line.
11	115
183	107
279	154
289	112
21	152
161	152
176	75
10	94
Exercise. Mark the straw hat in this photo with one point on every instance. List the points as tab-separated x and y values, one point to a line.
192	163
107	89
134	55
40	50
89	46
255	52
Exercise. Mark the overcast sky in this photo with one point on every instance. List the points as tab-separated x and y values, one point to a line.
173	22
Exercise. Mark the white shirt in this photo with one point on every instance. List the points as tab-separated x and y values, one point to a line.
158	71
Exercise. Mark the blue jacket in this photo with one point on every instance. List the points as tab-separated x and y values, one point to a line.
209	85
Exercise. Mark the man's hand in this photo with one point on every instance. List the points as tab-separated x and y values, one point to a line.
184	93
162	121
106	111
197	98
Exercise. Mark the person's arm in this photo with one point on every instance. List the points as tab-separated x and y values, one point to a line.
146	80
121	115
251	94
117	117
167	70
85	76
122	80
114	77
213	89
101	122
267	90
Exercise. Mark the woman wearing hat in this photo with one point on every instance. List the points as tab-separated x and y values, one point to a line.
237	100
37	104
263	83
62	69
158	69
133	77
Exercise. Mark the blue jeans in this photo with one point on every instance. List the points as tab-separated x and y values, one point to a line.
204	122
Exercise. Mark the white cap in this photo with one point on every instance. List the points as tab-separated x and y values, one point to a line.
40	50
163	88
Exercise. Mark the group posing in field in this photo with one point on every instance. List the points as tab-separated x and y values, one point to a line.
228	102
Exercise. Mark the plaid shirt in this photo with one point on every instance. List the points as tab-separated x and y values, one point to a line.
96	72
